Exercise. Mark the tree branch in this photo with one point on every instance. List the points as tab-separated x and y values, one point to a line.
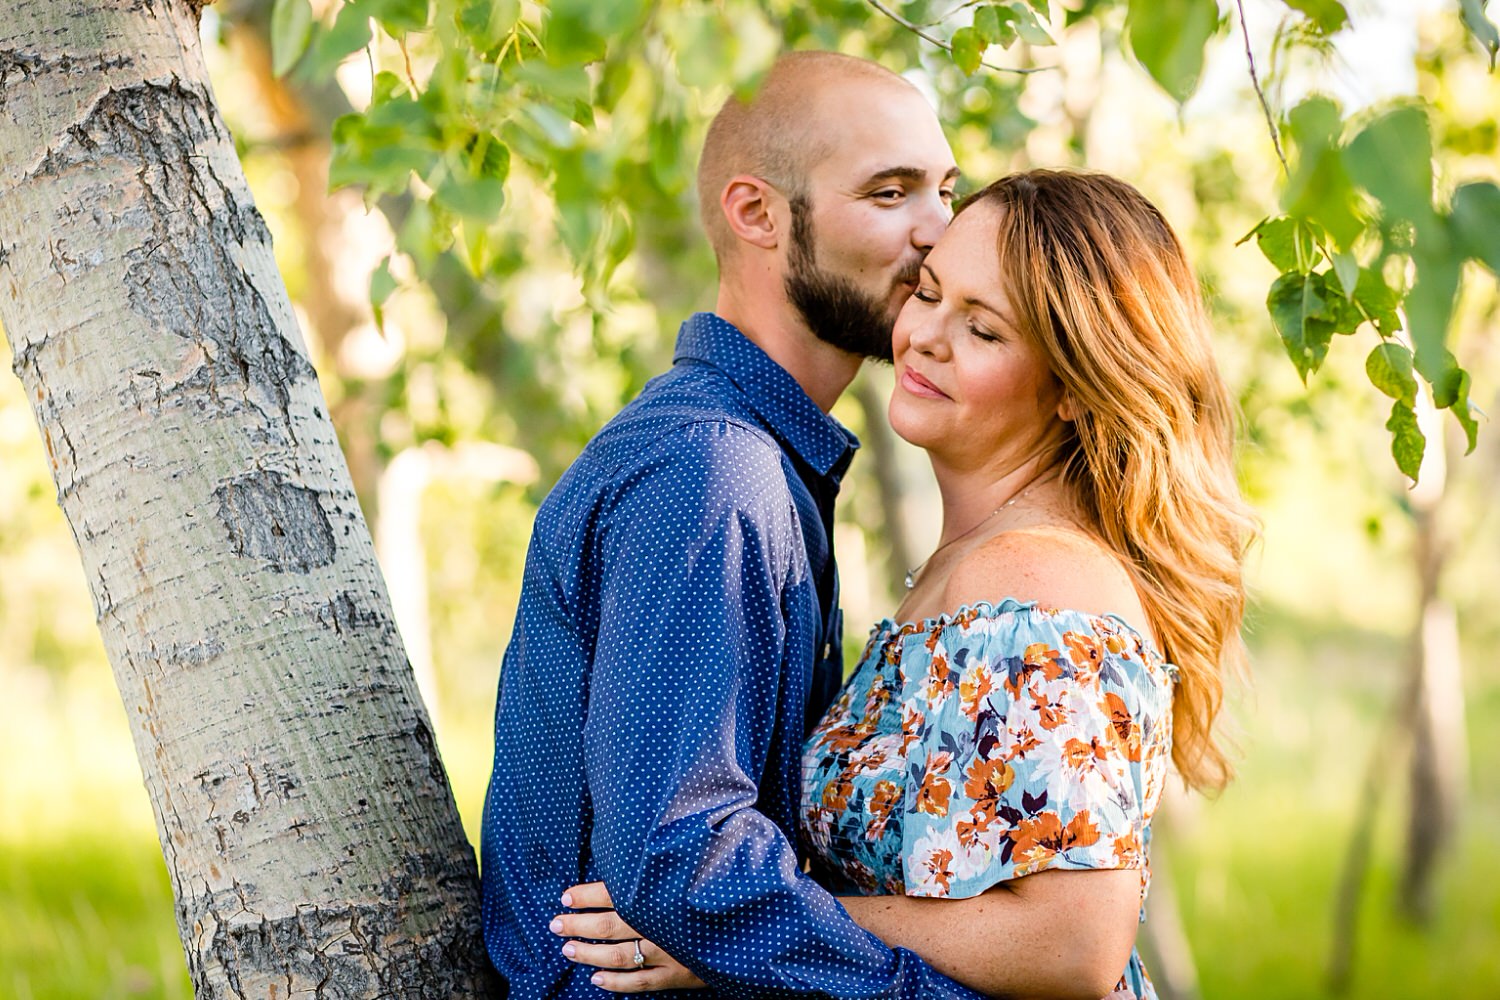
1255	82
917	30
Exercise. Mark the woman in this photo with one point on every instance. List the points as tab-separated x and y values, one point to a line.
1003	742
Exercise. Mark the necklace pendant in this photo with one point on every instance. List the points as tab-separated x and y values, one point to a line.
910	580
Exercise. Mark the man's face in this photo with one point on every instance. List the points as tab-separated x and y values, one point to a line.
869	214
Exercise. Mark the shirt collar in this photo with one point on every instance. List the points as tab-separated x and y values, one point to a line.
789	413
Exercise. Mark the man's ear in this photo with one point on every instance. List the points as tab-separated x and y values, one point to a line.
751	207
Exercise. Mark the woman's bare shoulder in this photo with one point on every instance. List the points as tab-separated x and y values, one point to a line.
1058	567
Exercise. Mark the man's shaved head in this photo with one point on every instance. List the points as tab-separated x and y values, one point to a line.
781	133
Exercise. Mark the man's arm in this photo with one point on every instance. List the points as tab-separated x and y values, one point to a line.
698	557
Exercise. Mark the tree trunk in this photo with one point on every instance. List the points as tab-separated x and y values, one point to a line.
1439	748
307	823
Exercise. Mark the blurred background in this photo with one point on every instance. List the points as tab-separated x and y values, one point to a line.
1355	854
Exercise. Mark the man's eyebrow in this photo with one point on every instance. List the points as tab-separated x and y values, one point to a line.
913	174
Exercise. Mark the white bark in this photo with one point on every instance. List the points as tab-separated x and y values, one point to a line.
303	812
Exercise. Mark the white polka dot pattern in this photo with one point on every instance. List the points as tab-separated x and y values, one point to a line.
655	694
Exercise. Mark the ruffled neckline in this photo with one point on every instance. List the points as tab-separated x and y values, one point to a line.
1011	605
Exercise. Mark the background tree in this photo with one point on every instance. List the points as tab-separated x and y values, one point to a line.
524	350
307	823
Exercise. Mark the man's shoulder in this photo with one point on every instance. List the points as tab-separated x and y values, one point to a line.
694	414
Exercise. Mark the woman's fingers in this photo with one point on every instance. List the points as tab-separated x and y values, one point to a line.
605	956
635	982
588	896
602	926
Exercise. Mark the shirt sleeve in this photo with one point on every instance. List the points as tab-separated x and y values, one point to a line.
691	669
1043	743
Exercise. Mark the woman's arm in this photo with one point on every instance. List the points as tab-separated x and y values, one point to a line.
1056	933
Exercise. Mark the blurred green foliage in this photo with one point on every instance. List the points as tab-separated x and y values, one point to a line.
523	296
601	103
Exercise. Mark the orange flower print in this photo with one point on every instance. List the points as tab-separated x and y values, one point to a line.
1050	714
883	801
1087	654
1127	850
939	680
911	727
933	795
1041	656
836	793
1127	734
1022	743
1039	839
939	865
973	689
1076	754
987	781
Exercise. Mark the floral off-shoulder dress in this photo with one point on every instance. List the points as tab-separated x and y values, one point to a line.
987	744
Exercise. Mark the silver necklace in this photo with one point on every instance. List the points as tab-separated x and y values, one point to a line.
915	571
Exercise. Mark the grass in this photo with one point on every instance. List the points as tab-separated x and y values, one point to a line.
88	917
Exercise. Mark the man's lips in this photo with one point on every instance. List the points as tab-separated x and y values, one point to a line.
919	386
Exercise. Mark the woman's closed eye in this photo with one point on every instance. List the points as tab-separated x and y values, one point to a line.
922	293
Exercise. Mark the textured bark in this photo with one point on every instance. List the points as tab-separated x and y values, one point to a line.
306	821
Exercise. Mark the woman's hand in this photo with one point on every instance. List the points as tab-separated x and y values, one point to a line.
618	945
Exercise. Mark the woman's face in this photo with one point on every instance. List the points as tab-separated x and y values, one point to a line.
969	387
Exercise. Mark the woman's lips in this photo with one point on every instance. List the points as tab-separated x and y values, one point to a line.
919	386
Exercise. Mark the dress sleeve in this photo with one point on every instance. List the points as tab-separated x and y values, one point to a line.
692	654
1042	742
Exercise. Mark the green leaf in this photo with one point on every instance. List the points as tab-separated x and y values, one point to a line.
968	50
581	31
398	17
995	26
487	23
1476	222
1168	37
349	34
1289	244
1429	306
1328	16
291	31
1378	301
382	284
1389	369
1481	27
1319	188
1346	269
1463	412
1031	28
1295	301
1391	158
1407	440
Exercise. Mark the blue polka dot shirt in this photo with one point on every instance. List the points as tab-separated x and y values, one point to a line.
677	635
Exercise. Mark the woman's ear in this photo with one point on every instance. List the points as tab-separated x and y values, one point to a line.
1066	411
750	207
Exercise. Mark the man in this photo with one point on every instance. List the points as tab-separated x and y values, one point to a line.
679	628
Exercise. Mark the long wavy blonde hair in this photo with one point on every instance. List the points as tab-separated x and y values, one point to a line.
1098	280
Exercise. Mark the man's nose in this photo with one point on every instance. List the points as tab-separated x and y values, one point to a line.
931	222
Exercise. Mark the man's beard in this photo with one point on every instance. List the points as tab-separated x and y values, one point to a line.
832	306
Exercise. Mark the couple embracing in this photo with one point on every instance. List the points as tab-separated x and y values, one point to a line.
688	794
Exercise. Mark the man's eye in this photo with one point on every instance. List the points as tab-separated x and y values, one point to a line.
947	195
888	194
